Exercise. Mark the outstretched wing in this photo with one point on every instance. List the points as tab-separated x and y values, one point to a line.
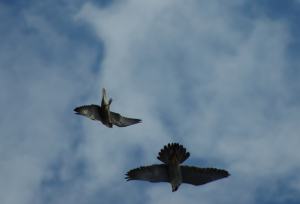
91	111
121	121
198	176
153	173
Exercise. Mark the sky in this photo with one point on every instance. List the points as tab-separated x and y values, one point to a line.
219	77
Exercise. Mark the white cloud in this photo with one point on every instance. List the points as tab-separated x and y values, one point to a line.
37	92
197	73
221	86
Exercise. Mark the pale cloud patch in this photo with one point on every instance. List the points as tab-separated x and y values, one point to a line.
220	86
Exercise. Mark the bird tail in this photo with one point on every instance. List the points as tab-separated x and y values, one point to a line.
167	154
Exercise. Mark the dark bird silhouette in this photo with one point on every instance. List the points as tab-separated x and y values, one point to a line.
172	172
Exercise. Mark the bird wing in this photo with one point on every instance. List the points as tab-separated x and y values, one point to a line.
91	111
121	121
153	173
198	176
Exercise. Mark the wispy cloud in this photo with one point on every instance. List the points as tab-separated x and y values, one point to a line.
220	81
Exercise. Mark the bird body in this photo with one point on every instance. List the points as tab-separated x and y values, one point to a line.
175	174
104	110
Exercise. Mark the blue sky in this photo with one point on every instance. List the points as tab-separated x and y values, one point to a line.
220	78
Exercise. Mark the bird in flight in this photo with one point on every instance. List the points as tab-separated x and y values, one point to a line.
172	172
103	114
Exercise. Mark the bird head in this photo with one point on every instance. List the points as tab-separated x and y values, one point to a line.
175	187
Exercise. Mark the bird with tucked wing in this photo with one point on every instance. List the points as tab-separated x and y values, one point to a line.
102	113
172	172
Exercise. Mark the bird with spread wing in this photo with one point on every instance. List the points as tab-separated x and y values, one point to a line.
103	114
172	172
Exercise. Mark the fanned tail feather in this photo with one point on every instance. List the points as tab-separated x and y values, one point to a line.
168	152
